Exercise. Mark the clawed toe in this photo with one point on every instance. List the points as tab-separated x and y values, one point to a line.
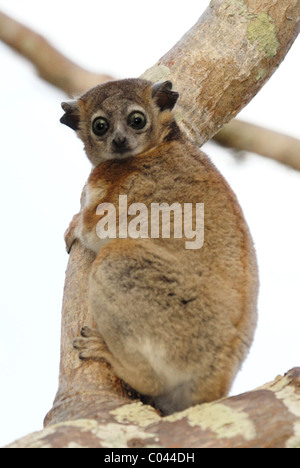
88	332
78	343
91	345
84	356
86	348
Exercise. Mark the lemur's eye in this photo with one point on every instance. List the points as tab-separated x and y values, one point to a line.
136	120
100	126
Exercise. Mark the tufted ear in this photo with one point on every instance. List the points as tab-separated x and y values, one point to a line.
71	116
163	95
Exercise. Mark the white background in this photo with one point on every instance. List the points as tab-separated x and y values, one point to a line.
43	169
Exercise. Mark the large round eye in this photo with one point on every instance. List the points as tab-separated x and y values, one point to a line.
136	120
100	126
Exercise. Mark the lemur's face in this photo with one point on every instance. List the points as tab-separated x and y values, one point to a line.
121	119
118	128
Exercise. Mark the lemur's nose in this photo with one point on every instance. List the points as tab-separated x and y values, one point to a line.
119	141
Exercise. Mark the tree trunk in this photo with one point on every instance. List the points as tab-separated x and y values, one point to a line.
217	67
225	59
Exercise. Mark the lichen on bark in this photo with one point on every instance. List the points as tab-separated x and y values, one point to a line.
262	30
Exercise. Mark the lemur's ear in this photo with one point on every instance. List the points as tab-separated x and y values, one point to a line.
163	95
71	116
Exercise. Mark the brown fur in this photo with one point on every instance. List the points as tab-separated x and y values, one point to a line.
175	324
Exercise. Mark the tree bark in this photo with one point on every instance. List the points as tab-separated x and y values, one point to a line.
218	66
85	387
268	417
225	59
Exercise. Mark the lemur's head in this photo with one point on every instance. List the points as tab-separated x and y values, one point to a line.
120	119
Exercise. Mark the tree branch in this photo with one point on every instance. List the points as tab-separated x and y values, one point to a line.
51	65
247	137
225	59
267	417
